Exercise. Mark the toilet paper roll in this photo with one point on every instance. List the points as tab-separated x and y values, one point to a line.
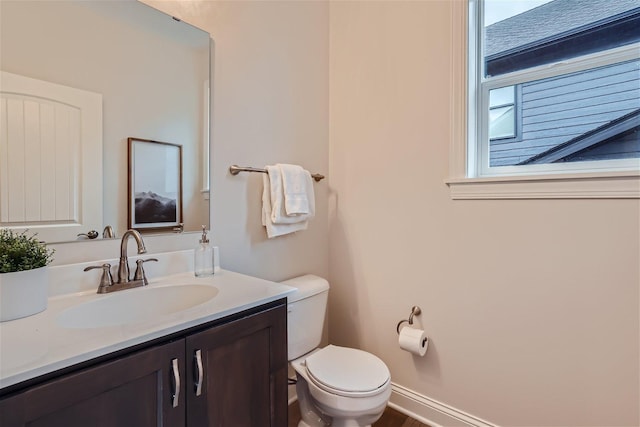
413	340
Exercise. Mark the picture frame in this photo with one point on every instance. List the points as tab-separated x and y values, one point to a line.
154	185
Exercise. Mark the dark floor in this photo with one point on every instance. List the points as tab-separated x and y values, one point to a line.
390	418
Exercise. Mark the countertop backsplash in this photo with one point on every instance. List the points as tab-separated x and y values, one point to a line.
71	278
88	250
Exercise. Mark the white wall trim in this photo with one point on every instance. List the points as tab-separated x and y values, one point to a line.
430	411
610	185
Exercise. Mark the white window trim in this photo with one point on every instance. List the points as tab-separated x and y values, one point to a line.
462	184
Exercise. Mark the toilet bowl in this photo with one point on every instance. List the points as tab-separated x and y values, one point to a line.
337	386
343	386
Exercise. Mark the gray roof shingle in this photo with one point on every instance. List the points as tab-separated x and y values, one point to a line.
547	20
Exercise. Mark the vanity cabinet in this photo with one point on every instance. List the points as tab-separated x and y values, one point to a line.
232	373
129	391
243	373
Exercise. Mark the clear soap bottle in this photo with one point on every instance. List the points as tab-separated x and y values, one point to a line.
203	261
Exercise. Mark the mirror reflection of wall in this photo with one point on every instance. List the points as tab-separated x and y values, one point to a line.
153	75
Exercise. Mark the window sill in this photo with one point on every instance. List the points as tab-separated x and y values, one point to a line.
562	186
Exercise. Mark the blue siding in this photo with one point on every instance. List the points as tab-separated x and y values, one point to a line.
558	109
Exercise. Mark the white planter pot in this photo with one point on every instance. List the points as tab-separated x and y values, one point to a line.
23	293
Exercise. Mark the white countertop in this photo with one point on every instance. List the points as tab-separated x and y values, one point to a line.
37	345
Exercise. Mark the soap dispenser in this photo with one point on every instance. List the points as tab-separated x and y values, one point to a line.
203	261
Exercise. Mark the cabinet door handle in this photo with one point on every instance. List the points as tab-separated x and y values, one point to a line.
176	383
199	372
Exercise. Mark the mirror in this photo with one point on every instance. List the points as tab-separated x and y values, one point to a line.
151	73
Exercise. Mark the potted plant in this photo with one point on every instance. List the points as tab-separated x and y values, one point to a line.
24	275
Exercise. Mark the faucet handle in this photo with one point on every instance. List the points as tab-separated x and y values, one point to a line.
89	234
140	274
106	280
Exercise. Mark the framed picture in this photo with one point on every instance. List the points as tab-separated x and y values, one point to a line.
155	185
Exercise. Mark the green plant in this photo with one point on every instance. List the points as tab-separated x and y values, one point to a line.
19	252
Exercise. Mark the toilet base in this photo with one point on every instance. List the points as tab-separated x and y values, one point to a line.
315	413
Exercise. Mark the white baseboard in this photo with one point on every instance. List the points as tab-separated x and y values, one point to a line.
430	411
423	409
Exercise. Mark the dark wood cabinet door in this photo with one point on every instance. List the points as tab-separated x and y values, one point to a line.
134	390
244	372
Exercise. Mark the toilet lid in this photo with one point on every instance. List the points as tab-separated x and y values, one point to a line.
347	371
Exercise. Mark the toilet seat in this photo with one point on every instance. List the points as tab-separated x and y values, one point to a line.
347	371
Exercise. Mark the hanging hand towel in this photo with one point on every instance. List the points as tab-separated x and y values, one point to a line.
275	229
294	186
278	211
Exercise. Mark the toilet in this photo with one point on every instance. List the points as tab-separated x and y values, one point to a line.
336	386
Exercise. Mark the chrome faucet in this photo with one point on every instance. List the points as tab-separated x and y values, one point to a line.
123	266
108	232
124	280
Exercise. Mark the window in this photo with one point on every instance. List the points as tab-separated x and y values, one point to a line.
553	88
502	115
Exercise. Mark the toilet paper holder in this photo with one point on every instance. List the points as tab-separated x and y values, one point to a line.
415	310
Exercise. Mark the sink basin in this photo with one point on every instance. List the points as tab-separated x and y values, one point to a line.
135	305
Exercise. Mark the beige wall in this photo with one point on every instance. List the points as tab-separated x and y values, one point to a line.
532	306
270	105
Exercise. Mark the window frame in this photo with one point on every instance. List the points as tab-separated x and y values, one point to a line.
531	181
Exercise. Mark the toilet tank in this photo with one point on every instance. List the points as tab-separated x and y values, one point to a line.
306	309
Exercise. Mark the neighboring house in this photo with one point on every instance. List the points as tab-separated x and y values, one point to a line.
587	115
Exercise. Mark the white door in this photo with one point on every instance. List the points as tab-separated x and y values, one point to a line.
50	158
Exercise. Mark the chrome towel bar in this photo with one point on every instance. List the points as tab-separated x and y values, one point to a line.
235	170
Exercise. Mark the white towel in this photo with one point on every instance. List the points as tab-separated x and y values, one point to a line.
294	186
311	196
278	210
273	229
